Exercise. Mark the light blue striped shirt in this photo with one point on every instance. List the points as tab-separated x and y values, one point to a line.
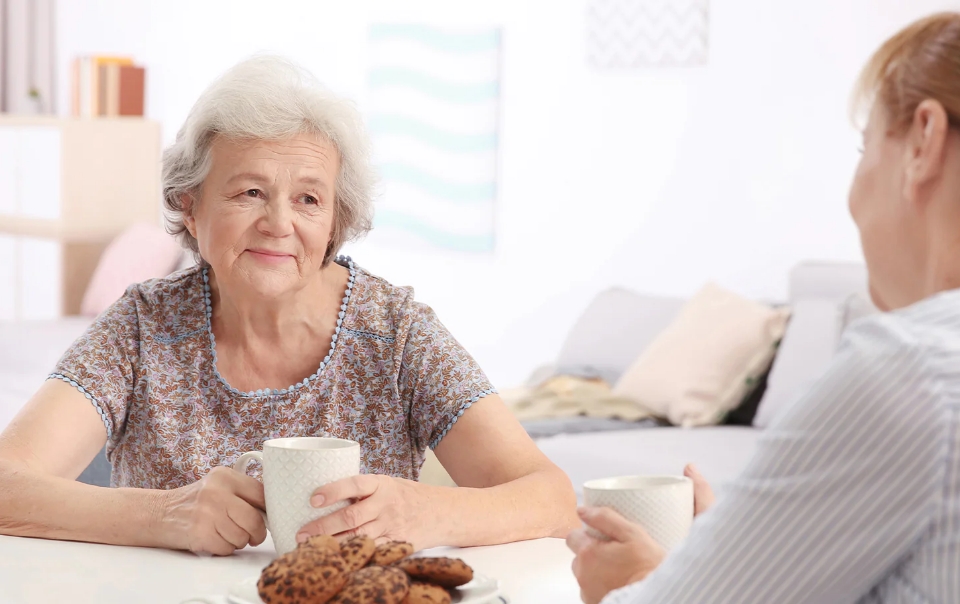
853	494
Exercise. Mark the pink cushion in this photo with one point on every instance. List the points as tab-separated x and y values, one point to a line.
143	251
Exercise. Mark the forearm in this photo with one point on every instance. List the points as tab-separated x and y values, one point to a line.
33	504
540	504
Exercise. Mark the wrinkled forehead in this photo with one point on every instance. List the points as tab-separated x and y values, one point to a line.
304	153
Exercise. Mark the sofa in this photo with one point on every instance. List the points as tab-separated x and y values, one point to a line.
823	298
614	329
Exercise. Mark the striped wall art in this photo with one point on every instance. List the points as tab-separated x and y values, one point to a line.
433	117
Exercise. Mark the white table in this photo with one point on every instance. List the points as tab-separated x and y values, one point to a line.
36	570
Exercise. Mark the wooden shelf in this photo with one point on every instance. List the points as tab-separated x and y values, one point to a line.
76	182
52	229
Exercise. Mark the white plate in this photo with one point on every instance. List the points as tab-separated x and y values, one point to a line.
482	590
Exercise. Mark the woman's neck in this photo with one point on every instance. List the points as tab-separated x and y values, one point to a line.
246	319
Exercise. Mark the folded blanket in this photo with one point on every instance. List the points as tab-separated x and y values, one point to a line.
569	396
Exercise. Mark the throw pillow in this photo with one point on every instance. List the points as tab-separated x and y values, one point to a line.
143	251
746	411
703	364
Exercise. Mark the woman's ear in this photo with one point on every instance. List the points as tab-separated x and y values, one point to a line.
187	206
925	149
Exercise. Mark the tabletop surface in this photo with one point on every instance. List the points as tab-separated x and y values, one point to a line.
37	570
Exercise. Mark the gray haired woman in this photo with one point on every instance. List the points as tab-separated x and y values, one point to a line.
271	335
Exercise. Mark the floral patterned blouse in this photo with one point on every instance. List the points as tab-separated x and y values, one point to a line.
395	380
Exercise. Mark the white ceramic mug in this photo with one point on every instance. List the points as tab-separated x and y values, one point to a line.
293	468
662	505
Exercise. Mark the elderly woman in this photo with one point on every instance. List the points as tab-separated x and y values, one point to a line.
271	335
854	493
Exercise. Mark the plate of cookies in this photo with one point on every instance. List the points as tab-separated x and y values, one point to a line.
325	571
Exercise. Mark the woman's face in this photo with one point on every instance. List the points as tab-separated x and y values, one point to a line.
881	213
265	214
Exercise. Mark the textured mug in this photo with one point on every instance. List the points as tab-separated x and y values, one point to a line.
293	468
662	505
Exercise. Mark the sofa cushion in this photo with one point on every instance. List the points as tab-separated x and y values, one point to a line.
707	360
614	329
807	347
720	452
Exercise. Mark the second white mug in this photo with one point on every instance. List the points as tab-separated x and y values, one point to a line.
662	505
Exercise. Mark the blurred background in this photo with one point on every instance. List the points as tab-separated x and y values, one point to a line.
533	152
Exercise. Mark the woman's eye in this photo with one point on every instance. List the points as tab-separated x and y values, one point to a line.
310	200
252	192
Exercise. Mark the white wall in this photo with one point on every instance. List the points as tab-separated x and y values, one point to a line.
657	180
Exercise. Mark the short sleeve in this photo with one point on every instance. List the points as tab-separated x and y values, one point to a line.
438	378
101	363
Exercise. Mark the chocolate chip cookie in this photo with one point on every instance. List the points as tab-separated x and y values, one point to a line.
303	576
374	585
326	542
388	553
356	552
424	593
445	572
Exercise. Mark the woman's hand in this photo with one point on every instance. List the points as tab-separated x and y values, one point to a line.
703	497
382	507
218	514
601	566
630	554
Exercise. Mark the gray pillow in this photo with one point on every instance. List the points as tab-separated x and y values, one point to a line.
804	353
617	326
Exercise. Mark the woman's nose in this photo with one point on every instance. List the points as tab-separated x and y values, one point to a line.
277	220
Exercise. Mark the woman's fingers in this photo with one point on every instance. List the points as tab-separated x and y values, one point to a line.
703	497
230	532
342	521
609	523
355	487
375	530
247	488
577	540
249	519
216	544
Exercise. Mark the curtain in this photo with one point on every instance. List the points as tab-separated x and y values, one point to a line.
27	55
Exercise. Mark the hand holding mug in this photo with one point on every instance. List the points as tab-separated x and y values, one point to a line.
613	551
218	514
383	508
627	554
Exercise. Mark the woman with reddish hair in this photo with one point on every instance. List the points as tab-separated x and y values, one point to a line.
853	495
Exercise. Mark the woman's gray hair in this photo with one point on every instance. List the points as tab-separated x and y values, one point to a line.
270	98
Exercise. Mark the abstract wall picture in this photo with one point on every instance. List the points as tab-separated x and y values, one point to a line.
433	117
625	34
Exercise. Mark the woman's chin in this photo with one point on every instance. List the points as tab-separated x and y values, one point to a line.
273	284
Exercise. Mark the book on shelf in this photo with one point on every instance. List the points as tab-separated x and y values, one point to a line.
107	86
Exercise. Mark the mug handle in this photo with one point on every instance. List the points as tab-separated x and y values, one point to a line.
241	466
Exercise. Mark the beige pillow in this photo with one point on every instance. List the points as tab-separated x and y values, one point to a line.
700	367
